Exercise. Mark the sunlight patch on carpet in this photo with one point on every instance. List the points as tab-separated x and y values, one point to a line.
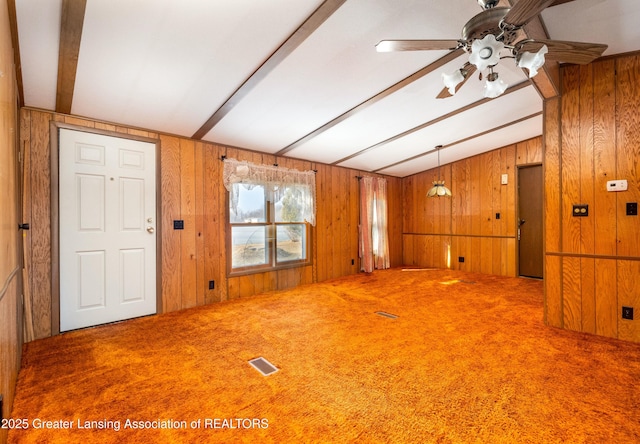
263	366
457	281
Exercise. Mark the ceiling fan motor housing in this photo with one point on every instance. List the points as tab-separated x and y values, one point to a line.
488	22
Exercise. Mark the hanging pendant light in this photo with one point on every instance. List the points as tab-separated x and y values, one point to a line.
438	189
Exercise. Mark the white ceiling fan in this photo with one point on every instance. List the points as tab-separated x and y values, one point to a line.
494	34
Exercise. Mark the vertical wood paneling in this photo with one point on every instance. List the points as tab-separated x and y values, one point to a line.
587	225
551	171
628	151
171	250
486	255
509	190
188	261
486	194
588	296
629	296
529	152
213	208
201	281
597	140
570	158
553	312
604	156
40	224
476	185
571	293
395	214
498	225
606	298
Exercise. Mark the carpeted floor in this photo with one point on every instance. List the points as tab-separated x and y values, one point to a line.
467	360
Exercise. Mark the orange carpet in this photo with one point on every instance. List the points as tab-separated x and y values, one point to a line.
467	360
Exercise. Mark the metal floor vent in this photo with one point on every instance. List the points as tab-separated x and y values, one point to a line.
263	366
386	315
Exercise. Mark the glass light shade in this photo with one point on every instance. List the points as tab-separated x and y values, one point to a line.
494	86
438	189
452	80
532	61
485	52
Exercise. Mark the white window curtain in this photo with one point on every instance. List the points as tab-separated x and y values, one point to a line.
303	183
374	237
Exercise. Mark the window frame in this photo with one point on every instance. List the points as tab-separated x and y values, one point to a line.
271	243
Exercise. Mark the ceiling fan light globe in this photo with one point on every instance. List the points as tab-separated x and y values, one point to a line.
452	80
532	62
485	52
495	88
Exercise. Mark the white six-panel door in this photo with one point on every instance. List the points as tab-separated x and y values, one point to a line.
107	206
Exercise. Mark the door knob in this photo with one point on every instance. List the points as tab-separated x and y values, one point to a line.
150	229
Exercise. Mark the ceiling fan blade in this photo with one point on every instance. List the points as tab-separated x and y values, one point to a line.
445	91
415	45
559	2
569	52
524	11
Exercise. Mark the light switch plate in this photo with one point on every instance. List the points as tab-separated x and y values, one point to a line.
504	179
617	185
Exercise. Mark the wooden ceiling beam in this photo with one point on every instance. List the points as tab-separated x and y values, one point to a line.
13	24
319	16
71	23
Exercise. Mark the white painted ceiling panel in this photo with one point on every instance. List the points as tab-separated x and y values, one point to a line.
334	70
490	115
410	107
38	38
169	64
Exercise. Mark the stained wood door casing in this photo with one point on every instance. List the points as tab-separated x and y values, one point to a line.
530	257
107	211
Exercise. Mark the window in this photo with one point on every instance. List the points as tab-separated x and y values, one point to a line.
270	211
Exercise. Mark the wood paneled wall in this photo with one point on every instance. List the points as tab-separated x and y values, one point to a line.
592	135
438	231
191	189
10	263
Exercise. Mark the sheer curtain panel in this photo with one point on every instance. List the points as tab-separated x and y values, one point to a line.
373	232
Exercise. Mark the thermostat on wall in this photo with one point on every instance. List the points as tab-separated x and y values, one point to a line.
617	185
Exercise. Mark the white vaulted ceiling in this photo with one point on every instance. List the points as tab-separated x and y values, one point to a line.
298	78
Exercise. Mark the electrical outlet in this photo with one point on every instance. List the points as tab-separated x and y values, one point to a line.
497	215
212	285
178	225
632	208
580	210
460	258
627	313
353	261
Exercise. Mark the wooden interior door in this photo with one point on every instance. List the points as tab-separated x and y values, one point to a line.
530	257
107	213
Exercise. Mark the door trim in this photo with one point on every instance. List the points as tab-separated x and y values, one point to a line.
54	131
